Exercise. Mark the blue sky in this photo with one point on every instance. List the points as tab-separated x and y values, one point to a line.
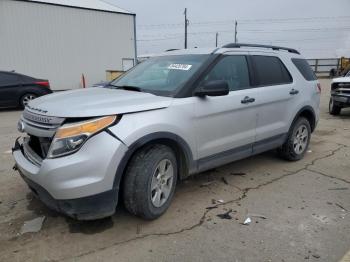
318	28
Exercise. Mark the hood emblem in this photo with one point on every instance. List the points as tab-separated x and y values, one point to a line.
37	109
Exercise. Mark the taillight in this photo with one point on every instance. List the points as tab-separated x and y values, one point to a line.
43	83
319	89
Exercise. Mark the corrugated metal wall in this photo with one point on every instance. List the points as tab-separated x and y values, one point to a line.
60	43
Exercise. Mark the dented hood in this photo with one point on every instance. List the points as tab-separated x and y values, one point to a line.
92	102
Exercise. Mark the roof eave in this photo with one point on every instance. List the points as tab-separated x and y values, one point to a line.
77	7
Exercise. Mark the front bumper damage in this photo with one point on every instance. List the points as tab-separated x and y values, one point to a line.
85	208
80	185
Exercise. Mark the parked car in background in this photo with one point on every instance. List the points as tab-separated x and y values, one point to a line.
340	94
173	115
16	90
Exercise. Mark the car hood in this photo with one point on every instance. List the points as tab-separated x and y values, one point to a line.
345	79
92	102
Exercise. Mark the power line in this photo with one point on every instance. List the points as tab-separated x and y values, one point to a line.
159	39
247	21
253	39
296	30
295	40
263	29
294	19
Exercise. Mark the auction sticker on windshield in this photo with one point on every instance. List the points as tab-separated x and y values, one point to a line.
180	67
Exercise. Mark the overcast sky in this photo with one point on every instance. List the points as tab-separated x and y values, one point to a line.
319	28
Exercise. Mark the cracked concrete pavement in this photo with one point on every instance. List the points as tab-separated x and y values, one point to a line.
299	210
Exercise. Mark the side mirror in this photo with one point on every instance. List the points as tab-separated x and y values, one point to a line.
213	88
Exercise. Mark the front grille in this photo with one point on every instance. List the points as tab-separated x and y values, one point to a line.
341	88
41	130
40	145
47	123
30	153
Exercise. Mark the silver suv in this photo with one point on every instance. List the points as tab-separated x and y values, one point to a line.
173	115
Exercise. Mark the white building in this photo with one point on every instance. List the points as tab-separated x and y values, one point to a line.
60	40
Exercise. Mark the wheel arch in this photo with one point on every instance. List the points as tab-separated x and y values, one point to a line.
309	113
181	149
24	92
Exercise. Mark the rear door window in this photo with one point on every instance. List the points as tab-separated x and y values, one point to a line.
304	68
7	79
269	70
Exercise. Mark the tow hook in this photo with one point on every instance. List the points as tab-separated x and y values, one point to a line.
15	167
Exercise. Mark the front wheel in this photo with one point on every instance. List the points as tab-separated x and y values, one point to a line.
150	181
298	140
333	108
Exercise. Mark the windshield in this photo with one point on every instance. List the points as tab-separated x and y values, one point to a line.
162	75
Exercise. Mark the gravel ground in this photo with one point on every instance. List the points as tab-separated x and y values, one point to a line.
299	211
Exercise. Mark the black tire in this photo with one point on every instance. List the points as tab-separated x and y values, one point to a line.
26	98
288	150
137	192
333	109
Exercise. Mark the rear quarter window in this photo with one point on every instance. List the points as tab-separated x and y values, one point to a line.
304	68
269	70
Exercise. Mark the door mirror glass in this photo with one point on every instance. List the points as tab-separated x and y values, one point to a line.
213	88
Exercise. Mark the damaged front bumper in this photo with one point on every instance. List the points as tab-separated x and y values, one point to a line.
79	185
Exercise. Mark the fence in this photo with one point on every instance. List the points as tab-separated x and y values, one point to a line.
322	66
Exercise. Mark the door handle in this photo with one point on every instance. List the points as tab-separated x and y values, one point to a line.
247	100
294	92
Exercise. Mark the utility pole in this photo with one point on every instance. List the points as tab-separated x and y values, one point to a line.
216	39
236	31
186	24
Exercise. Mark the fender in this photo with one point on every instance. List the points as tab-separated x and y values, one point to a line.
181	143
311	111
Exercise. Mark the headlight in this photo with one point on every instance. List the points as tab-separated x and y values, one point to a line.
70	137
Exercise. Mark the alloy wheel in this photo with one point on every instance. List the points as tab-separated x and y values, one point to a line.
27	98
300	139
162	182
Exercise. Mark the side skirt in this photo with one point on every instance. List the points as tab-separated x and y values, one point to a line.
238	153
269	143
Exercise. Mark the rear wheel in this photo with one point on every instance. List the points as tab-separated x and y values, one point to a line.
333	108
298	140
150	181
26	98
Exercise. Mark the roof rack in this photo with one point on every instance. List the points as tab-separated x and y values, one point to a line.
238	45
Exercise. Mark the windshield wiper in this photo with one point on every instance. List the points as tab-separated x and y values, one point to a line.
130	88
109	84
